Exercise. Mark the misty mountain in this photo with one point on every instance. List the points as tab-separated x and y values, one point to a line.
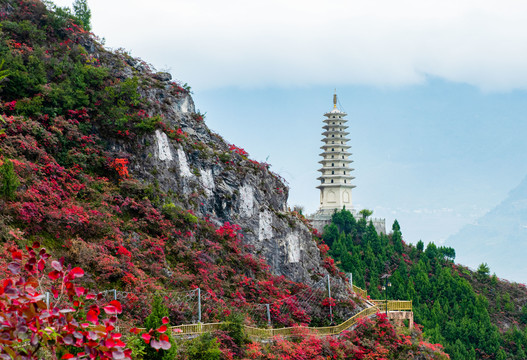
498	238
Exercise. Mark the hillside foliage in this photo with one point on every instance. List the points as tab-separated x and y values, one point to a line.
64	100
444	295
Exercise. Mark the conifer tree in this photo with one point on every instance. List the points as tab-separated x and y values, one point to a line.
331	233
372	238
3	72
420	245
83	13
501	355
344	221
9	180
397	237
484	269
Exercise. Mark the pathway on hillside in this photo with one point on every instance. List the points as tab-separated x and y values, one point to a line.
397	310
375	306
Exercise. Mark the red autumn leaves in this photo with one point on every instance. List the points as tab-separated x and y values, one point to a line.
56	322
163	342
120	165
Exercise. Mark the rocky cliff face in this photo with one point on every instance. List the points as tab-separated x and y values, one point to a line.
198	170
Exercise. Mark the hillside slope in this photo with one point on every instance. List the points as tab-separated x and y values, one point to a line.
105	163
474	315
126	111
498	237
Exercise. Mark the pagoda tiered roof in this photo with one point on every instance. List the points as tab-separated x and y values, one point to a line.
336	167
326	185
327	134
335	178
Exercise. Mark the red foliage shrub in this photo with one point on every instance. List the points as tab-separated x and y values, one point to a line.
57	323
120	165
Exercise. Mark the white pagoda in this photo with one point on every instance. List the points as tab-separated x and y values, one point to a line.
335	180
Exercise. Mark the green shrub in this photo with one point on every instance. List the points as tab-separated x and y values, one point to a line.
204	347
3	72
25	30
60	17
225	157
117	101
234	327
147	125
154	321
9	180
137	345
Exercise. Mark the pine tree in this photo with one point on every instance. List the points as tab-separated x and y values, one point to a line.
420	245
484	270
331	233
501	355
83	13
344	220
371	237
8	180
397	237
3	73
347	262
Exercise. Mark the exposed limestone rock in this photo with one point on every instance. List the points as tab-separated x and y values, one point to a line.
265	223
247	202
207	181
200	172
163	146
162	76
183	164
293	247
185	105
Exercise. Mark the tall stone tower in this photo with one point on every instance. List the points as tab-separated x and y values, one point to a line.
335	180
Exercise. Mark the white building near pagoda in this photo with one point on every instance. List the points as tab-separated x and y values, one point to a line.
336	179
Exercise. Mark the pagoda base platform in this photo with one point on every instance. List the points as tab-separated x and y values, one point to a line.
323	217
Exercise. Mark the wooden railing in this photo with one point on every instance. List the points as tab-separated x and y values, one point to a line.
193	329
360	291
394	305
262	333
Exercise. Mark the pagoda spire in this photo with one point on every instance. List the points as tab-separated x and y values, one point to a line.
335	180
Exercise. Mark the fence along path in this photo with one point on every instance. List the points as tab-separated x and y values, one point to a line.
182	299
193	307
198	327
266	333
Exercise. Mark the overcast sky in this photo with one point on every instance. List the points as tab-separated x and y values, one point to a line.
254	43
435	92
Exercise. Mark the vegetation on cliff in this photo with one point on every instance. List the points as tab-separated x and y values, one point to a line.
65	102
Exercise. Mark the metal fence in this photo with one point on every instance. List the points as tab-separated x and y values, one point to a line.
262	333
331	299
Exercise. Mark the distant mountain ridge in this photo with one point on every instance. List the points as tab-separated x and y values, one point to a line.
497	238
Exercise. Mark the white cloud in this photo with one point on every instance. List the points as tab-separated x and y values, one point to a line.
255	43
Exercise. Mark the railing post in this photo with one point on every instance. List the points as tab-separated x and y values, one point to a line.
47	299
268	315
351	282
114	294
329	295
199	305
